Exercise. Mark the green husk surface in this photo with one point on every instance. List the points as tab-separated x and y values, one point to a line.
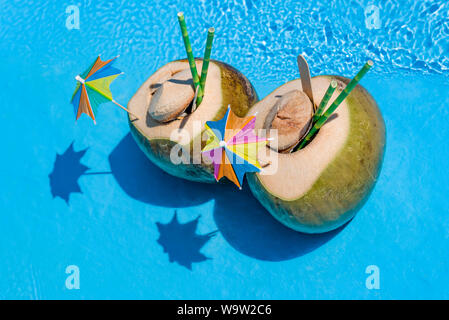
237	91
345	184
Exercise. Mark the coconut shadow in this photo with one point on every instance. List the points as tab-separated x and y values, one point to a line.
239	217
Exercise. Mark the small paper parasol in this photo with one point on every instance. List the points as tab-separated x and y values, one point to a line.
233	150
92	88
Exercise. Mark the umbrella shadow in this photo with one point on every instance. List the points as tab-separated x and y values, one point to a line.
67	169
174	233
239	217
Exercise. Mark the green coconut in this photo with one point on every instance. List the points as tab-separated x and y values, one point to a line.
170	125
321	187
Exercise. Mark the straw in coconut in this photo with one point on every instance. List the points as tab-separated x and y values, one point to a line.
330	90
323	118
190	58
206	59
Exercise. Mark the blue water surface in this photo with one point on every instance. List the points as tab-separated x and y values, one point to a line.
135	232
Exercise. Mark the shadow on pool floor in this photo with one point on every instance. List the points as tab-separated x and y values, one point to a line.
173	233
67	169
239	217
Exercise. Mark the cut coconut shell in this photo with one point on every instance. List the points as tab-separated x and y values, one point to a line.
291	117
320	187
158	140
172	97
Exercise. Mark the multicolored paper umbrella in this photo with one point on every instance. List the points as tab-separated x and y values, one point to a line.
233	150
92	88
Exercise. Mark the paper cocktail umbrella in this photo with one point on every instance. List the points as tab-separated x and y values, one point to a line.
92	88
232	147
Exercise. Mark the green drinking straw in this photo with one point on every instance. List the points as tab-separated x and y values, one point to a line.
330	90
322	119
206	59
185	37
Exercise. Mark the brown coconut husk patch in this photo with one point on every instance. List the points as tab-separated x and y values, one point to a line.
295	173
172	97
291	116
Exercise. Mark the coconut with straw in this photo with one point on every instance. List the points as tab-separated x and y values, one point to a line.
320	119
171	120
320	184
188	47
330	90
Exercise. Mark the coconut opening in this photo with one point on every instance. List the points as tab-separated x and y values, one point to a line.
291	116
340	86
161	140
172	97
189	126
288	175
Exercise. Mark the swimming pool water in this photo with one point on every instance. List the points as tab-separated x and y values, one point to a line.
112	228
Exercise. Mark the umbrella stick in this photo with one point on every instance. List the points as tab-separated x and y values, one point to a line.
118	104
110	98
97	173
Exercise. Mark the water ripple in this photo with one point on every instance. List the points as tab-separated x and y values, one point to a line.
261	38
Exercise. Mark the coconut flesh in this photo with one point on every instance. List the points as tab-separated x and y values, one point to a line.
291	118
169	124
172	97
320	187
